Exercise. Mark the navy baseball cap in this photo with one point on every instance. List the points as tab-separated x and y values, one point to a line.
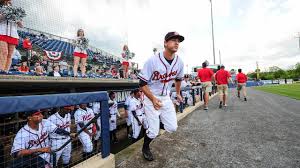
172	35
30	113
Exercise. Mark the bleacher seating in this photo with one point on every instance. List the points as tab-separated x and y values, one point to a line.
50	44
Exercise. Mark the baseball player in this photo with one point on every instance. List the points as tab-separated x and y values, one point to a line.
62	119
206	76
186	94
136	107
82	116
128	114
96	109
222	77
241	79
113	111
31	145
156	79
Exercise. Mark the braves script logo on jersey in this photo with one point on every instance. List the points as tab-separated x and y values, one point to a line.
87	117
39	140
163	77
63	126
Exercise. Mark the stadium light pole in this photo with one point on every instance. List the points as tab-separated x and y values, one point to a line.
212	30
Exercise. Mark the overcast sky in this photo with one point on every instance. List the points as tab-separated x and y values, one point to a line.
246	31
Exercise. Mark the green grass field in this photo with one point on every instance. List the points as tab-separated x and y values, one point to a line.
290	90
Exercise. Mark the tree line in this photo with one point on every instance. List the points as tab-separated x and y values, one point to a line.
275	72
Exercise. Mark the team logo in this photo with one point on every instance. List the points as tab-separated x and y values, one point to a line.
164	78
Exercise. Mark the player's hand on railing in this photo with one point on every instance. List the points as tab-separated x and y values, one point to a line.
45	150
179	98
73	135
156	103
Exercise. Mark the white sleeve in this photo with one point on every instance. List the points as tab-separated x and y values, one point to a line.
132	106
78	117
96	107
91	111
51	128
127	101
147	71
20	142
180	74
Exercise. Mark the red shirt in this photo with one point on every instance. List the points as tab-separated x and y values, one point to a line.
222	77
241	78
27	44
23	69
205	74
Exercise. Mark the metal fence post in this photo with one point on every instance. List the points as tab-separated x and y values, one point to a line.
105	143
194	98
201	95
54	160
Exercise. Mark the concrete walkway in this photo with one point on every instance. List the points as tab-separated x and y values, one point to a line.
263	132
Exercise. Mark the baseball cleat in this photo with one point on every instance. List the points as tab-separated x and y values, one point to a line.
147	154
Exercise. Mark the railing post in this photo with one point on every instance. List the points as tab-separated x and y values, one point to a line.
194	98
201	95
54	164
105	143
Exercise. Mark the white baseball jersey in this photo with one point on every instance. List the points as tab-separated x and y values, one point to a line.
185	84
160	75
84	116
28	138
129	114
96	108
128	100
58	140
60	122
137	106
113	110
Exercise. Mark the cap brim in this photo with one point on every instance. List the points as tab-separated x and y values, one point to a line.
179	37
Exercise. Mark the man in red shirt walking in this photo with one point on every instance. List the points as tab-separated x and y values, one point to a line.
206	76
222	77
241	79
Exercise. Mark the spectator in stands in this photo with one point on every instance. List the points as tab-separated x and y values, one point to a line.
16	58
114	73
35	58
39	71
80	54
23	68
9	39
133	75
27	46
55	72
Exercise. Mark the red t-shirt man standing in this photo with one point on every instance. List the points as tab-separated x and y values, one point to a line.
241	79
206	76
222	77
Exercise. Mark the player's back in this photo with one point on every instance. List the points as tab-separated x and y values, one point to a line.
222	77
205	74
